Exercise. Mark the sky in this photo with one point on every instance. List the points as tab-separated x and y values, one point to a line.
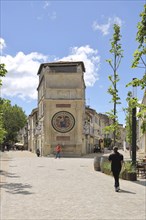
36	32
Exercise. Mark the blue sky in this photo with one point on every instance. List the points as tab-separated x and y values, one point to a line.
35	32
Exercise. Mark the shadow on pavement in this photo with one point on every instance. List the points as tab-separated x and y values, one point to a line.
7	174
141	182
5	159
125	191
17	188
60	169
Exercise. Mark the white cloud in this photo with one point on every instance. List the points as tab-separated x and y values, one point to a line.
40	17
52	15
22	80
117	21
2	44
91	61
46	4
105	28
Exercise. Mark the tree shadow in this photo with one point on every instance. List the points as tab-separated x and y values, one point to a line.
60	169
17	188
8	174
5	160
12	166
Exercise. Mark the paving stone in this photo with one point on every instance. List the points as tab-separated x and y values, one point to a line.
43	188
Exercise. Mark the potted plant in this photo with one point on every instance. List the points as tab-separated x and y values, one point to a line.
106	168
130	171
123	174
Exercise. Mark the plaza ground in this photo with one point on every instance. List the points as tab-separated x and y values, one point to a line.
43	188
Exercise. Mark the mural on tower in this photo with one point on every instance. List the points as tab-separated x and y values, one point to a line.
63	121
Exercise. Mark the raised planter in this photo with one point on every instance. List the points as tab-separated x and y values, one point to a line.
123	175
102	161
131	176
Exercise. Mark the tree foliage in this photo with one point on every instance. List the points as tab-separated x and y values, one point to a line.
139	61
14	119
114	63
3	72
2	130
139	55
133	103
128	111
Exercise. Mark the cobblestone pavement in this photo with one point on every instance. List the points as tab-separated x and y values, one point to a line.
45	188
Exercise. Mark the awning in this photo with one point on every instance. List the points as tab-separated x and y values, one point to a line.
19	144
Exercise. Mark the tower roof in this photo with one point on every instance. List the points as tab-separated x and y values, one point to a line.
62	63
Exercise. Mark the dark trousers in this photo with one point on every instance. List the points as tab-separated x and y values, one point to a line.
116	174
58	154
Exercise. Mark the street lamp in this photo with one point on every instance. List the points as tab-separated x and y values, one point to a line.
134	129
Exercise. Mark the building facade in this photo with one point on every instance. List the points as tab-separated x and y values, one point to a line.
31	128
141	140
61	107
62	116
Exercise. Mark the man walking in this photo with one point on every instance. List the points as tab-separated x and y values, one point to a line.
116	160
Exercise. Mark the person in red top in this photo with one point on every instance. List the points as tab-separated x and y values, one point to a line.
58	151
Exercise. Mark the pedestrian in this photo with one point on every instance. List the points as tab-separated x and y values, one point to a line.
95	149
102	146
38	152
116	160
58	151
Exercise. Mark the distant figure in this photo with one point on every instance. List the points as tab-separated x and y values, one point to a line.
116	160
58	151
94	149
102	146
38	152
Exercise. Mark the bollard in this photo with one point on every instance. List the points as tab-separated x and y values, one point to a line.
97	163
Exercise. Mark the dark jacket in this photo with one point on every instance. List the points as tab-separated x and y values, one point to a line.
116	159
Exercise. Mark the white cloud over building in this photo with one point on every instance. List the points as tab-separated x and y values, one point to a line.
105	28
2	44
21	80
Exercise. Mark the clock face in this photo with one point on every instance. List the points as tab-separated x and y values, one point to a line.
63	121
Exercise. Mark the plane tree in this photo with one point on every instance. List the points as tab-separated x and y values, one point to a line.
3	72
117	54
14	118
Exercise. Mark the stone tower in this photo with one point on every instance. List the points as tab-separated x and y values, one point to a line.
61	107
